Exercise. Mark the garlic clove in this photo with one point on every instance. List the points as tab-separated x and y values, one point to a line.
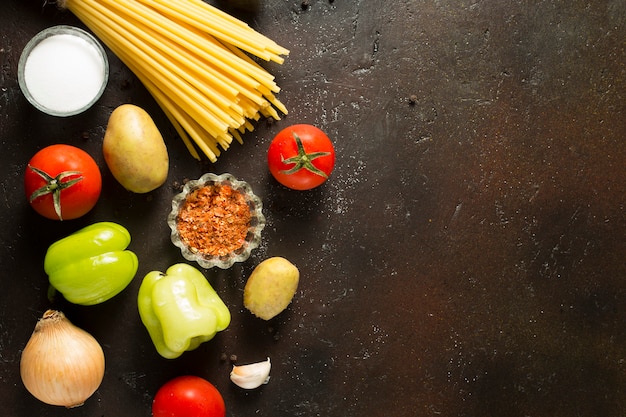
252	375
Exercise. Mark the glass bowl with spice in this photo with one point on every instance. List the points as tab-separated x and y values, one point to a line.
216	220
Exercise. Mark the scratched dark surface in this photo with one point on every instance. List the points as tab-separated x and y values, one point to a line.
466	258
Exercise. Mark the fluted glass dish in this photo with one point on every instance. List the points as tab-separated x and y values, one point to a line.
252	237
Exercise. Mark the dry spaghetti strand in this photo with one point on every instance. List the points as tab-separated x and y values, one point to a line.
193	59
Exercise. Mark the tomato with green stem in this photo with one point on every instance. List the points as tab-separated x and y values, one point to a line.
301	157
62	182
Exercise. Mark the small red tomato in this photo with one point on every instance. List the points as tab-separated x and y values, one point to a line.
301	157
188	396
62	182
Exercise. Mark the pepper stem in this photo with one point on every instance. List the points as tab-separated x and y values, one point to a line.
303	160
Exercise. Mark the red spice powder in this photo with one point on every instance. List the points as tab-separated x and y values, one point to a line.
214	220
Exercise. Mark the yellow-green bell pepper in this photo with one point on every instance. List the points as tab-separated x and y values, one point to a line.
91	265
180	309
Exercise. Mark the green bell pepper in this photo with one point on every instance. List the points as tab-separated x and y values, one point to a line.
180	309
91	265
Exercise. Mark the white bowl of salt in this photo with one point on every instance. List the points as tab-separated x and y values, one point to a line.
63	70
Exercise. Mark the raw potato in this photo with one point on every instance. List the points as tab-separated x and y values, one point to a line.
271	287
134	149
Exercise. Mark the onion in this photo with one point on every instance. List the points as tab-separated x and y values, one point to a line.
61	363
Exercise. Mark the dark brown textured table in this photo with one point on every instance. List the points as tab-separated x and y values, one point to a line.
465	259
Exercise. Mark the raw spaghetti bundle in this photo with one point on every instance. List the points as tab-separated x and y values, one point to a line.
195	60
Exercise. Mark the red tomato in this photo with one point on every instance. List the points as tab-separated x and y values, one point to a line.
301	157
62	182
188	396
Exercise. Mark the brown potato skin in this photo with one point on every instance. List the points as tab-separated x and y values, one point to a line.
134	150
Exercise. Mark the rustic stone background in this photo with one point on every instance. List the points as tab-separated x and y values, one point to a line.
466	258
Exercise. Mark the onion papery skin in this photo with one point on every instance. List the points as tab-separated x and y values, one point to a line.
61	364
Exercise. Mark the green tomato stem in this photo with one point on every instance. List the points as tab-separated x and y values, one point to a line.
303	160
54	186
